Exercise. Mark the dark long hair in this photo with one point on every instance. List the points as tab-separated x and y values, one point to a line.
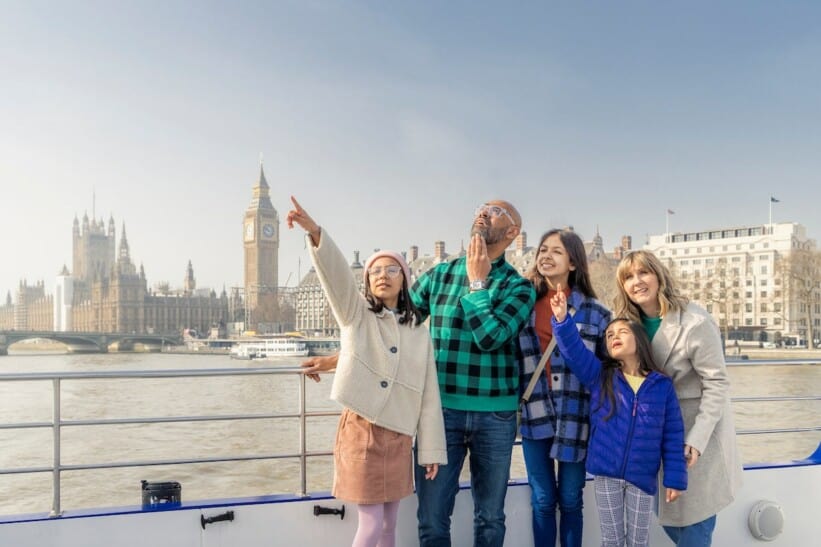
578	278
646	362
406	309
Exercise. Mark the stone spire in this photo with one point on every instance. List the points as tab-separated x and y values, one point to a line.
125	255
261	198
189	283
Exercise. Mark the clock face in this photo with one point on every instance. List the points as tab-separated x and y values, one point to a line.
268	230
249	231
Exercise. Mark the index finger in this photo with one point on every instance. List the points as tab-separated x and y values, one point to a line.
297	206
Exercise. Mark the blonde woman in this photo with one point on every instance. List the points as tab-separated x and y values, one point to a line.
687	346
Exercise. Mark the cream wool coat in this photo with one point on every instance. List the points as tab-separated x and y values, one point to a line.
386	371
687	347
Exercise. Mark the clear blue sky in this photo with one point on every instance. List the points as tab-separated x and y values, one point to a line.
391	121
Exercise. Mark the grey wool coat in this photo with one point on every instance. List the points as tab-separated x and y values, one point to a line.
687	347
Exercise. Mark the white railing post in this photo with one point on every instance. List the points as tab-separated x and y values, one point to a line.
56	421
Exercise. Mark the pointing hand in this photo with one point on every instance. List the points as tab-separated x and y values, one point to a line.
301	217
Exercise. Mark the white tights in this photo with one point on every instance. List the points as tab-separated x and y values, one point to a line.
377	525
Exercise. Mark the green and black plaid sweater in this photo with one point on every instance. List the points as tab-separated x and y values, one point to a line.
474	333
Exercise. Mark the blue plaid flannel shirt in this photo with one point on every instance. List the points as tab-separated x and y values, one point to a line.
563	411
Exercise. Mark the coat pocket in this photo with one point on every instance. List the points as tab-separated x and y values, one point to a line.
354	437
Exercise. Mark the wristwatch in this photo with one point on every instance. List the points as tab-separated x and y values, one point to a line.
478	285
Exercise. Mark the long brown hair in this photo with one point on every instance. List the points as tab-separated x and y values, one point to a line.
644	353
578	278
670	299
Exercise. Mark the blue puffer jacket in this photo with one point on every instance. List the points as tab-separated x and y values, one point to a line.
645	430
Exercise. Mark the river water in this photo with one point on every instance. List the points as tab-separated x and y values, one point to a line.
94	399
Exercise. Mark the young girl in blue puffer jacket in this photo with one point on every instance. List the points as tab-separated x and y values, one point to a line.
636	425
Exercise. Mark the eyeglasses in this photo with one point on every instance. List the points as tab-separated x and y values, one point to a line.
492	211
390	271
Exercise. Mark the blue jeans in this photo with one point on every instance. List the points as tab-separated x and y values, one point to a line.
699	534
488	436
550	488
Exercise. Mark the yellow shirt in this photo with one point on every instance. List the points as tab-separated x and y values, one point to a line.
634	381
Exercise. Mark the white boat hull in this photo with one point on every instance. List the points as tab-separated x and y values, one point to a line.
281	520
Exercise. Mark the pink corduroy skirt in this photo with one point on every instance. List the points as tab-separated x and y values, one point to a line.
371	464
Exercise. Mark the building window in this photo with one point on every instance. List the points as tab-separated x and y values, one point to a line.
748	294
763	322
748	321
748	307
763	294
763	307
777	321
736	308
763	283
749	283
777	307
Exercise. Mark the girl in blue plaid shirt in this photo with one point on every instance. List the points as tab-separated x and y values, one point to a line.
556	418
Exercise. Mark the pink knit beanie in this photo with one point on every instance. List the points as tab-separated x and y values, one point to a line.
390	254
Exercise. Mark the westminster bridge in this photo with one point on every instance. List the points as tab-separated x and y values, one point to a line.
91	342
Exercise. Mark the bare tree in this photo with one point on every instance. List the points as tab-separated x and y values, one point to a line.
723	291
603	278
801	272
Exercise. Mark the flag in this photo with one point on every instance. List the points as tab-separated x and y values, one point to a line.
670	212
773	200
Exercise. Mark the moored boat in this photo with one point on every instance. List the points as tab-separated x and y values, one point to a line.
270	348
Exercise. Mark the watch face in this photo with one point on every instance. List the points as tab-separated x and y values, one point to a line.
268	230
249	230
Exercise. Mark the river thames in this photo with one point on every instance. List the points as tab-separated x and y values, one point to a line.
31	401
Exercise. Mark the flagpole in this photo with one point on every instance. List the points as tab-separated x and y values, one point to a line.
771	214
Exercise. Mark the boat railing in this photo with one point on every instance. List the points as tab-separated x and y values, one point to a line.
58	423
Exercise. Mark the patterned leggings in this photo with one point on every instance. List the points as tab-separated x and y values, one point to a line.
624	510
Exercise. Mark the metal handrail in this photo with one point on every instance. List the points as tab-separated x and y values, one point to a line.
301	414
58	423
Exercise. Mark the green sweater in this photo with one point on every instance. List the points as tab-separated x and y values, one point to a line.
474	333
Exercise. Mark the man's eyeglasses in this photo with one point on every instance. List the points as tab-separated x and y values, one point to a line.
492	211
390	271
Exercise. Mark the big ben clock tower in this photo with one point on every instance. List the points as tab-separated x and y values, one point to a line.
260	233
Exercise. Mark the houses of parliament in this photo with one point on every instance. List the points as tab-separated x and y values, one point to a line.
104	291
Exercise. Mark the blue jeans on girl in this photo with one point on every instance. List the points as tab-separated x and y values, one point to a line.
552	487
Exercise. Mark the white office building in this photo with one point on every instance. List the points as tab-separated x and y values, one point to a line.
747	278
